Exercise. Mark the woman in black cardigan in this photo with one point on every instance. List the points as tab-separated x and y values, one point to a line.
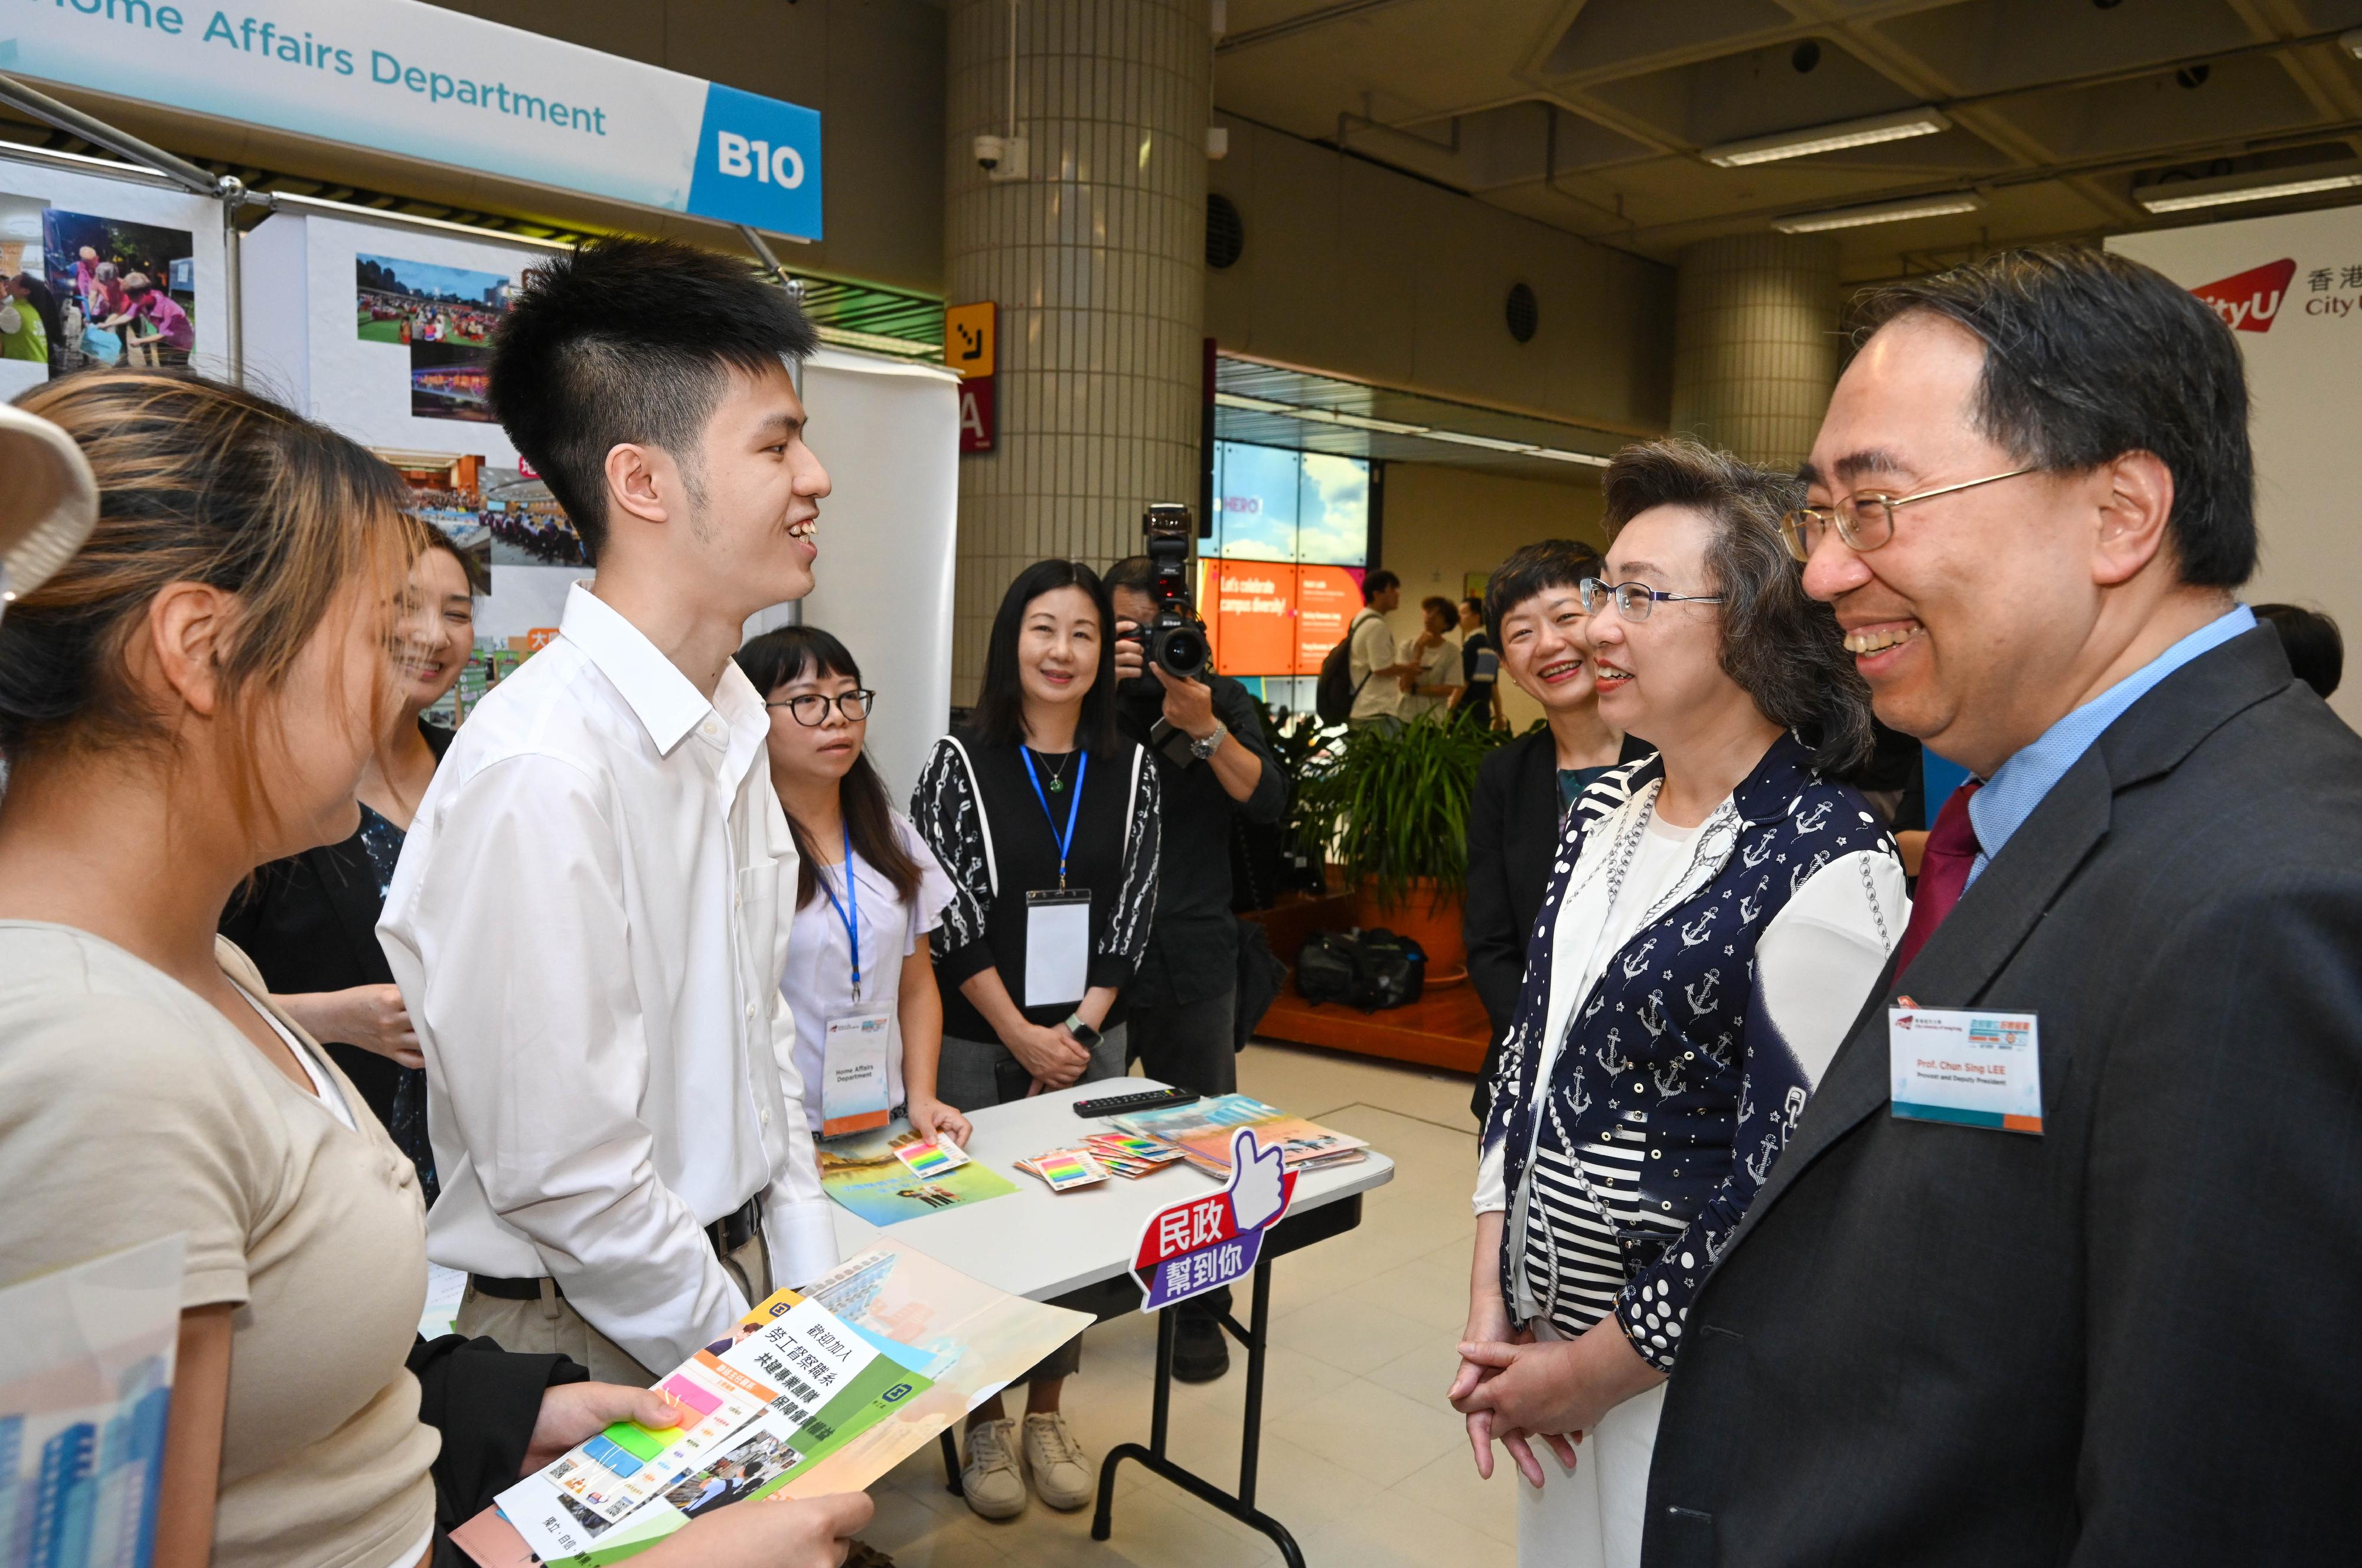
1524	789
310	921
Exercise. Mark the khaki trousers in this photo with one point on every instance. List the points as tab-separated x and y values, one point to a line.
551	1324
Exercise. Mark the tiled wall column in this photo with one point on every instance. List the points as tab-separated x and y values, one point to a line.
1755	345
1096	261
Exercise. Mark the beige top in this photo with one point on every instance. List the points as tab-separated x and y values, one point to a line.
130	1109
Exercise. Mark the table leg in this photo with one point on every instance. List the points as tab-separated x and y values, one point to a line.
951	1464
1154	1459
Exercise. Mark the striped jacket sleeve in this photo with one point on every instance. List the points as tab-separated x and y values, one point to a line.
1119	947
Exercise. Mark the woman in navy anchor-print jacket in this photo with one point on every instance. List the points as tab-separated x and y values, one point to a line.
1716	915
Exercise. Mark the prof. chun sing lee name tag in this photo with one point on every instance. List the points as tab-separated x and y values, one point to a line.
1968	1067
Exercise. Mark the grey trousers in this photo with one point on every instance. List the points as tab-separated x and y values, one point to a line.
975	1075
551	1324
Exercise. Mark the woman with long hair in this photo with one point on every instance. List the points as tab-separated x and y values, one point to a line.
1716	915
309	922
860	979
196	693
1047	821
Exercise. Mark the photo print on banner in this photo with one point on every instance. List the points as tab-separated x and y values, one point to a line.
445	317
125	293
31	331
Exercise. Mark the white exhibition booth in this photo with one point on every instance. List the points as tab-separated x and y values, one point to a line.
2291	289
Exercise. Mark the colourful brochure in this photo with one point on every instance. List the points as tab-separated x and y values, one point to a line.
931	1158
1063	1168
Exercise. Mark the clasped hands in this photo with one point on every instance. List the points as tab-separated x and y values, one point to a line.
1513	1388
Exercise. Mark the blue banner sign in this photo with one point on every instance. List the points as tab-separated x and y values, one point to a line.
408	78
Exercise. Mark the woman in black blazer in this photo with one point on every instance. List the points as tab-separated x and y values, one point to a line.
1523	791
309	922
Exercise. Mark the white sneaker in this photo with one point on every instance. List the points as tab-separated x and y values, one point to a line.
1062	1471
990	1477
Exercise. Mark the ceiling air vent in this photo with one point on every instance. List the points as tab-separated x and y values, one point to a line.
1525	313
1225	232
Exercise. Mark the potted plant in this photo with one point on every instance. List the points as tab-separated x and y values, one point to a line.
1389	808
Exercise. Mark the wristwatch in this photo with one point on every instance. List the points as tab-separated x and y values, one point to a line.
1202	749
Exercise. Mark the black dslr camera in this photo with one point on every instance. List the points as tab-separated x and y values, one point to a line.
1173	639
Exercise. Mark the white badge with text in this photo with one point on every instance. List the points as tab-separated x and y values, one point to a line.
854	1096
1968	1067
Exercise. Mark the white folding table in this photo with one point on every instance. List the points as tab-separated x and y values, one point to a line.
1075	1249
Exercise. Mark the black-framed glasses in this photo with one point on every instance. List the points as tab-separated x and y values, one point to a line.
810	709
1865	519
1634	600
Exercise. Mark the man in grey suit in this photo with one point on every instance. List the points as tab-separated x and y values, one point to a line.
2126	1337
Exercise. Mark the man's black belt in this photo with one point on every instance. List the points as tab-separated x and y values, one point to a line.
727	1234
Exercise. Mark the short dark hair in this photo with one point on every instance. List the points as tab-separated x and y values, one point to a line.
1000	713
1474	601
1782	646
1529	570
479	576
1434	602
781	656
1377	582
1137	573
2090	356
2316	650
630	340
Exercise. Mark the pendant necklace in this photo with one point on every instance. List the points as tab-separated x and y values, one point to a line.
1058	773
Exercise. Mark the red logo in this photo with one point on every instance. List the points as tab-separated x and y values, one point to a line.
2250	301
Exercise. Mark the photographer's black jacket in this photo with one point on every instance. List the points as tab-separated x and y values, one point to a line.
1193	947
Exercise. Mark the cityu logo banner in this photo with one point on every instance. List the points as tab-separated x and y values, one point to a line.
2250	301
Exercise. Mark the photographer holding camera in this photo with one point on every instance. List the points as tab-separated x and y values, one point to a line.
1208	740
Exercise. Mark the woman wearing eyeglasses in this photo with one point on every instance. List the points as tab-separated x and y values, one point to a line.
1702	947
860	981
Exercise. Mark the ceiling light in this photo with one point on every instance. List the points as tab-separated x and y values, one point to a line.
1490	443
1553	453
2351	42
1251	404
1828	139
1879	212
2183	195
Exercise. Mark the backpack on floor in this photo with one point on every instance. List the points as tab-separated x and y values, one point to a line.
1369	969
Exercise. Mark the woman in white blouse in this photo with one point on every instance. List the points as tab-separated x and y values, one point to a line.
860	979
1711	929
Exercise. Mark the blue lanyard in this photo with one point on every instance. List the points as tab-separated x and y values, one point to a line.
1066	840
851	915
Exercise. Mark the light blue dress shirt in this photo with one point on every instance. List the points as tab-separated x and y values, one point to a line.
2018	786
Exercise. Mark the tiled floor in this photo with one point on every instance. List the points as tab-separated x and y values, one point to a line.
1362	1458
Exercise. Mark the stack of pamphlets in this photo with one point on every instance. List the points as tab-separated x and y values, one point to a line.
1127	1154
1202	1131
1063	1168
822	1390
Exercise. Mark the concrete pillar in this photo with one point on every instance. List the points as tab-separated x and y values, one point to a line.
1755	345
1097	260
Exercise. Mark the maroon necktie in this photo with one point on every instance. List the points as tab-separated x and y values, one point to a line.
1943	873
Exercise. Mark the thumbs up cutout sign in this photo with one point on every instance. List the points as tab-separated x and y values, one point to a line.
1257	1187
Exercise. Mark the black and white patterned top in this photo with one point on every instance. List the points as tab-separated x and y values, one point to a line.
976	809
1696	1049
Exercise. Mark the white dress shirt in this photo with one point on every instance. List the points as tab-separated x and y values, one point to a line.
586	925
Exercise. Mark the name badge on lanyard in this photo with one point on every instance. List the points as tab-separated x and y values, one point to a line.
1058	920
854	1093
1966	1066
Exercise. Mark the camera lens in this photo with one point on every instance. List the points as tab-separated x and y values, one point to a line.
1181	650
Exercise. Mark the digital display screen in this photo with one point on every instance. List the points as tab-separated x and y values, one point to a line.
1282	576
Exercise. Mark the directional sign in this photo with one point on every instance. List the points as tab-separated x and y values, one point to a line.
968	333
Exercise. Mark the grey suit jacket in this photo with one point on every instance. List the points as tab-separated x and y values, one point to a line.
2127	1340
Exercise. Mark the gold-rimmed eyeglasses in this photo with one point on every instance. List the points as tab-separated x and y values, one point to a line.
1865	519
810	709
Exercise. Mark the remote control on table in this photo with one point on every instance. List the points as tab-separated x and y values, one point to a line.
1125	1104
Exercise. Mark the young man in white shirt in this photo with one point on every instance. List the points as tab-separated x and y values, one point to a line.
588	922
1372	662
